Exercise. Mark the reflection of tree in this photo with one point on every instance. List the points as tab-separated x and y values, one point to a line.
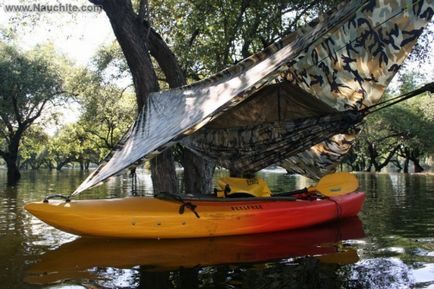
392	217
183	278
303	273
14	243
378	273
395	206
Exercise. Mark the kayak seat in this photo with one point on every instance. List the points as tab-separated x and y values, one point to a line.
240	187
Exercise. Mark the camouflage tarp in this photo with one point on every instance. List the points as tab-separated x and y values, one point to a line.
342	61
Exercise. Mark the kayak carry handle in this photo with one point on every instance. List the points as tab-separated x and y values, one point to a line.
57	196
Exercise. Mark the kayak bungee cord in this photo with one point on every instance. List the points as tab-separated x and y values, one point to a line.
178	198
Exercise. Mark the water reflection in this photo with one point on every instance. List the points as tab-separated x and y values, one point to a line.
84	254
397	251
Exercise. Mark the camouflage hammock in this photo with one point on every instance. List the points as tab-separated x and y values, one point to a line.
289	104
271	125
247	150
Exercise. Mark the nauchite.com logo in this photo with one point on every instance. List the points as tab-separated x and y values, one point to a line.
51	8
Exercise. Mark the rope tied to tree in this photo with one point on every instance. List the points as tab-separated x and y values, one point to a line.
384	104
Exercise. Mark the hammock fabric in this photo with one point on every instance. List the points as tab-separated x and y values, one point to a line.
247	150
278	121
340	62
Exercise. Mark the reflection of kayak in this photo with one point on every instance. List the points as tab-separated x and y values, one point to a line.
145	217
71	259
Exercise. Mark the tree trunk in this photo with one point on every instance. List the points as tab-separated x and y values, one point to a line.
388	158
405	165
13	174
397	164
417	167
49	165
11	158
129	32
198	173
372	157
63	163
135	38
414	157
164	173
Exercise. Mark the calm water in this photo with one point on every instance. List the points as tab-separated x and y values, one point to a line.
391	245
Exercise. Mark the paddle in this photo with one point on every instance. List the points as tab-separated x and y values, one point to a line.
331	185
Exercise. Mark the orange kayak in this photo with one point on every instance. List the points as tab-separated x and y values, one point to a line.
155	218
76	260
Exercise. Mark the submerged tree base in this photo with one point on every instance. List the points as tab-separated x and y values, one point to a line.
13	176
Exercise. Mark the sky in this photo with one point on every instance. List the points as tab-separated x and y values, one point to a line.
78	35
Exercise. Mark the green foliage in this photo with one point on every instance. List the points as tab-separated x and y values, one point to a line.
28	81
107	115
208	36
71	144
107	111
403	130
110	63
33	149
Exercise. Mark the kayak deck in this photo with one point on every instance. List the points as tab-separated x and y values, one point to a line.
155	218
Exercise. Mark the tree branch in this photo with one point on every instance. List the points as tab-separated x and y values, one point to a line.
44	102
193	37
15	108
165	57
30	120
243	8
249	37
389	157
143	10
124	89
97	2
101	138
7	123
298	17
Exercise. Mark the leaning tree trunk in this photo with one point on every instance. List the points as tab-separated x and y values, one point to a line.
417	167
129	32
415	158
136	38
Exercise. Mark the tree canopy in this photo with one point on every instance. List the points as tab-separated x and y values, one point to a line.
29	82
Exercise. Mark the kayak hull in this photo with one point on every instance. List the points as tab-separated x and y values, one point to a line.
152	218
77	259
